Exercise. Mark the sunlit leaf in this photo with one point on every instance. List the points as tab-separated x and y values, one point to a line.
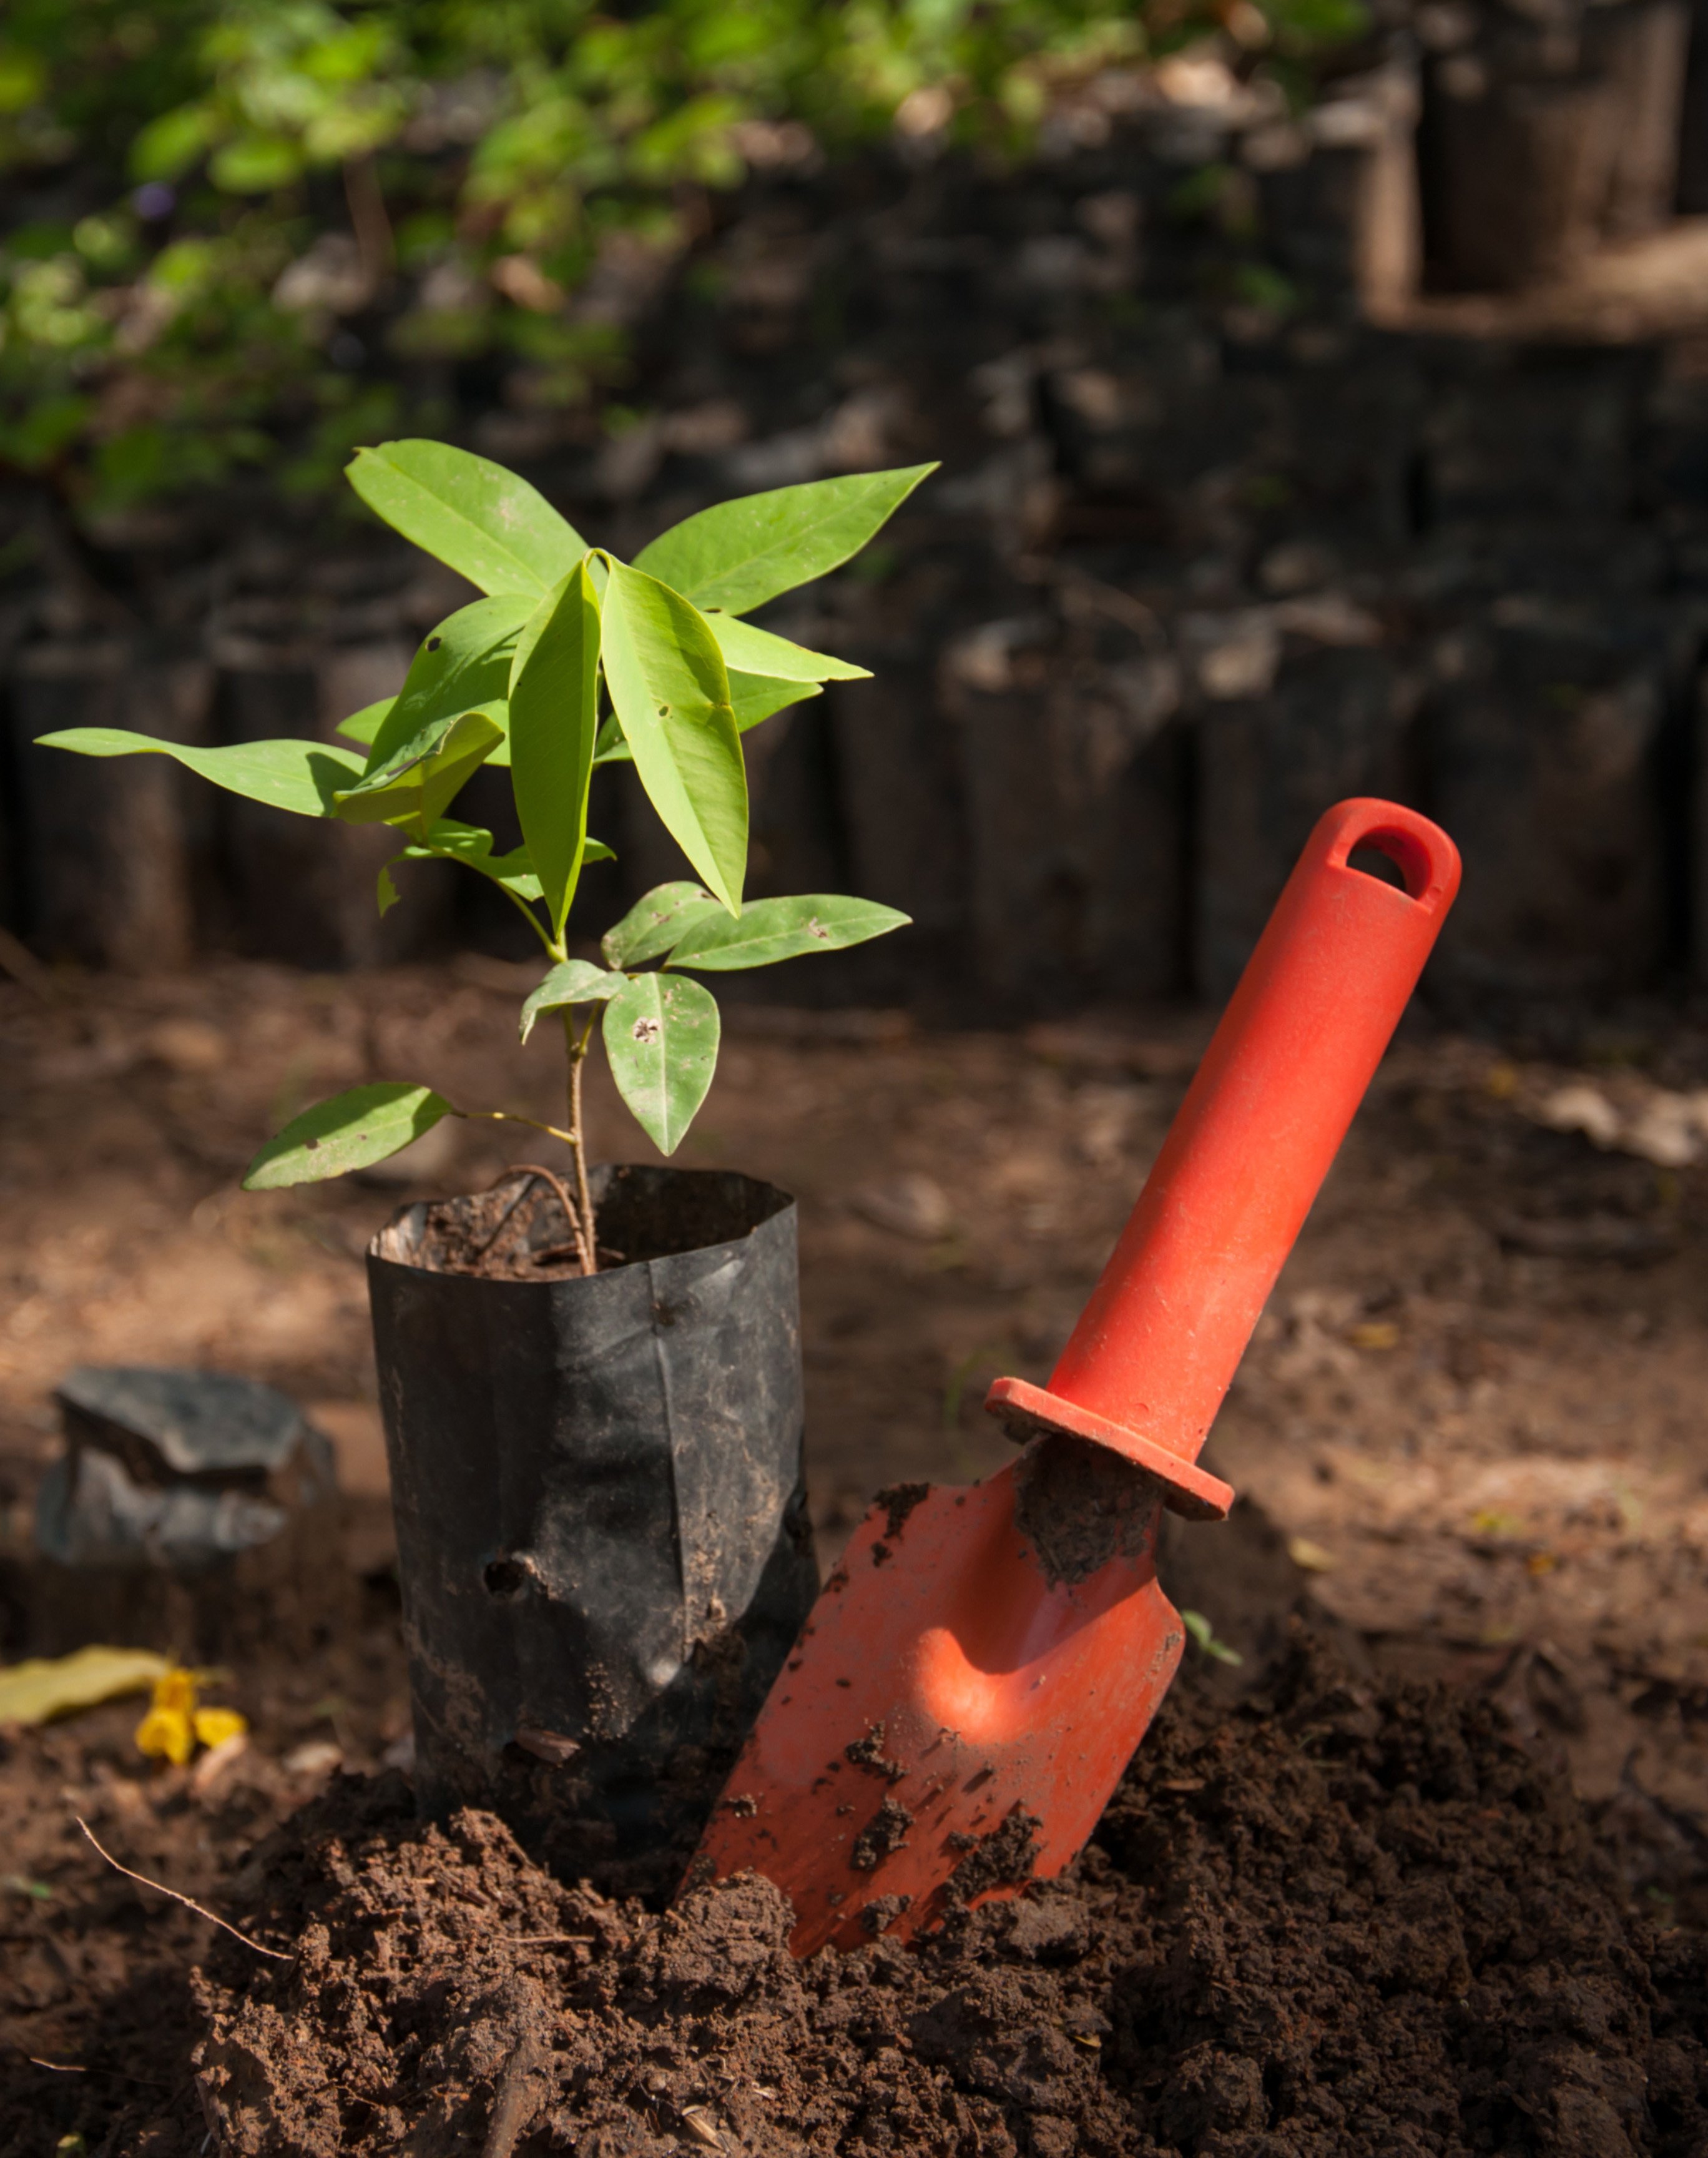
753	697
773	929
653	924
497	530
757	697
738	555
671	692
170	144
450	841
576	982
553	719
255	164
758	652
421	780
362	726
462	666
301	777
661	1035
351	1131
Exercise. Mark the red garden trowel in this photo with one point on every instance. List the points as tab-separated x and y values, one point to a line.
979	1668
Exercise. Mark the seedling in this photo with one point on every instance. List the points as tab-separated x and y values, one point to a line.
1203	1635
573	660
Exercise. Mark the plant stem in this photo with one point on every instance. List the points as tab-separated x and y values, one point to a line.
553	945
576	1047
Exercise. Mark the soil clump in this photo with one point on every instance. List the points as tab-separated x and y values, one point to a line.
1336	1918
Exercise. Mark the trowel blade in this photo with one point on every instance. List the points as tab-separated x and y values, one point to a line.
973	1681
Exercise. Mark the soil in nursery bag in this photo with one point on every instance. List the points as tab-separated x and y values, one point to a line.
1331	1918
520	1230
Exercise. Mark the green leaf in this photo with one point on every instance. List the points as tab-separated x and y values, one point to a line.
301	777
255	164
421	780
169	146
553	719
653	924
493	528
672	694
773	929
462	666
576	982
738	555
757	697
758	652
753	697
351	1131
385	891
450	841
1203	1633
662	1044
362	726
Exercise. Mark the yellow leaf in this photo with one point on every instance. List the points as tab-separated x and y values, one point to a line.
1311	1557
214	1726
46	1687
1375	1334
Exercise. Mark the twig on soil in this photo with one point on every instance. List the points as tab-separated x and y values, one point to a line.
507	1216
188	1902
512	2109
563	1200
71	2068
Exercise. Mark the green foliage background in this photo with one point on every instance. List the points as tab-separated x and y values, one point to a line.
203	193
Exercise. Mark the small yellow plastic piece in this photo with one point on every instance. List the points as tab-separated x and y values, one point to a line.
166	1734
214	1726
174	1726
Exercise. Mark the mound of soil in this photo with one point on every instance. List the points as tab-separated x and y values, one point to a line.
1329	1920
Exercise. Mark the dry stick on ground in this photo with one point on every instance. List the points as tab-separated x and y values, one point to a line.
513	2106
188	1902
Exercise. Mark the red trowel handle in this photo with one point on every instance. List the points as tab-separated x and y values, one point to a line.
1157	1344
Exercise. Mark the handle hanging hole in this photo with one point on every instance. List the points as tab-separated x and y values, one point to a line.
1374	863
1395	856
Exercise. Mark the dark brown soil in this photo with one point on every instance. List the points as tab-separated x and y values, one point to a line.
1331	1920
521	1229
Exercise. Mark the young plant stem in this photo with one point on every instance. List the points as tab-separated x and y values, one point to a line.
576	1047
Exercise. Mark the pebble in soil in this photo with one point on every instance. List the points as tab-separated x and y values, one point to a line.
1333	1920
